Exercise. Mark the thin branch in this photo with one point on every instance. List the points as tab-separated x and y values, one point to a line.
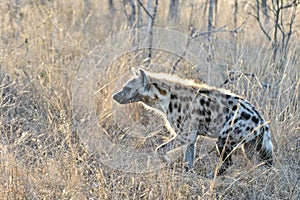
192	31
184	52
290	5
231	78
219	30
192	36
145	9
151	30
262	28
257	17
124	10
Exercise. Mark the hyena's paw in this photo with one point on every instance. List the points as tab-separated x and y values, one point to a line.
162	154
188	170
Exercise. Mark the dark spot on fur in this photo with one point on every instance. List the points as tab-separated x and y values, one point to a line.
249	111
228	131
232	143
256	112
208	119
223	140
208	112
204	91
248	128
202	102
234	108
208	102
161	91
200	111
230	102
237	130
255	119
174	96
178	121
179	108
175	105
245	115
228	96
226	110
254	133
170	107
235	120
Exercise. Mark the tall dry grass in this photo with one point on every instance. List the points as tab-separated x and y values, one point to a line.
43	44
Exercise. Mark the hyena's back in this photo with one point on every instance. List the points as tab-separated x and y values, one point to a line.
193	110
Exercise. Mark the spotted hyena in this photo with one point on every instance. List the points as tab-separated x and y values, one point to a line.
192	110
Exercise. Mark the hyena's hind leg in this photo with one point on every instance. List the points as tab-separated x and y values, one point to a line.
225	150
262	147
249	149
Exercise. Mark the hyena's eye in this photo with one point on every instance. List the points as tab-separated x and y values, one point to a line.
155	97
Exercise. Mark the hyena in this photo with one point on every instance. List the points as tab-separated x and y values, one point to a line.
194	110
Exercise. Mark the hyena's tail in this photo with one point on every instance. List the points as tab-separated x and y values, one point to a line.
266	151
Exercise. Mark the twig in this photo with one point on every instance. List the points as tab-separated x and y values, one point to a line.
193	34
192	31
151	30
184	52
219	30
231	78
145	9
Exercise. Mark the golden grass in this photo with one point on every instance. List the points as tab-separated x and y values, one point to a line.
41	153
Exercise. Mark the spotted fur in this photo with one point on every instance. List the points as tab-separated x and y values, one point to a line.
192	110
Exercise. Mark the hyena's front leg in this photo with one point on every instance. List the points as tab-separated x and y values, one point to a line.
189	156
188	139
162	150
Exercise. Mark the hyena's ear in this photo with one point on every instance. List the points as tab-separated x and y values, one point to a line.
144	78
135	72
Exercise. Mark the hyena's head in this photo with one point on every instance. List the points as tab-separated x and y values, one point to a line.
142	89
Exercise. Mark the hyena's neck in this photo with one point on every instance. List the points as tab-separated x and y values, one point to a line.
169	92
161	92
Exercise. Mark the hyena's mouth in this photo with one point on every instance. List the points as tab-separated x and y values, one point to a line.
119	97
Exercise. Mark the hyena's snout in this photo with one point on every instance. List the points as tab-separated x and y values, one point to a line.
123	97
120	98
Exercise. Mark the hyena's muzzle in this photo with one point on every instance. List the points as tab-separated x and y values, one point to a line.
122	97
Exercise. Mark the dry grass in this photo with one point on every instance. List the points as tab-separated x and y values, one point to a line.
41	153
